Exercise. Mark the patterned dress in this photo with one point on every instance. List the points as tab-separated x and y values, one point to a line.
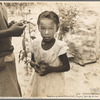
52	84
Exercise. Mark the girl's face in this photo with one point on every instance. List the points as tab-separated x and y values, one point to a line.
47	28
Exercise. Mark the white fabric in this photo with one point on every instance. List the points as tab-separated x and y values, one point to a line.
9	57
53	84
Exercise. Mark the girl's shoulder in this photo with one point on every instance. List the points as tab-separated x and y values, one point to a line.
60	43
62	46
35	44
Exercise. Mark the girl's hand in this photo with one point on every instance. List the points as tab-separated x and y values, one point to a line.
44	68
35	66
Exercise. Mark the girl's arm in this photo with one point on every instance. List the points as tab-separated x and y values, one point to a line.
33	64
63	68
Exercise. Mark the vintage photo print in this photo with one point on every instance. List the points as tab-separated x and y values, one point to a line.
50	49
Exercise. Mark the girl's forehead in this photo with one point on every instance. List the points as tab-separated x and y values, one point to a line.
46	20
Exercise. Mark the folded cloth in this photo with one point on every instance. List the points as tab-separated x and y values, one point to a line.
4	59
9	57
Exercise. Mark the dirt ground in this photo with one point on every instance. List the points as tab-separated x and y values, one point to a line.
81	82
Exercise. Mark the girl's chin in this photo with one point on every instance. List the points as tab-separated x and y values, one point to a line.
47	39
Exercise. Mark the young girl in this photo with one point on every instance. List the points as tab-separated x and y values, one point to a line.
50	56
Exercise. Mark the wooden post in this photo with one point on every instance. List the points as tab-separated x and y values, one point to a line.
98	38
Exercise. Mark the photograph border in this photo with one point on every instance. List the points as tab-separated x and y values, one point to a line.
43	98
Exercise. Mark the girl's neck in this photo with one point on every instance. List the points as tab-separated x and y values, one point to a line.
46	45
48	42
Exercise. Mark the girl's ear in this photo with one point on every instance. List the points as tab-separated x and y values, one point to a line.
57	27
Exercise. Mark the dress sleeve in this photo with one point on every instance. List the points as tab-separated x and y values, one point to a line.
63	49
32	45
35	44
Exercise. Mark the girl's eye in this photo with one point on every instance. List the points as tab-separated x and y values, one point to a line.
42	28
51	29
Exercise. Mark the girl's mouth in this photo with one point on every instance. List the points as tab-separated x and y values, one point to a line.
47	38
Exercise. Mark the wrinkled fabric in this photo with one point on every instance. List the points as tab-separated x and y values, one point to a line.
5	43
9	86
52	84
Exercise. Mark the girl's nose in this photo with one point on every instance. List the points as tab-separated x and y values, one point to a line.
46	32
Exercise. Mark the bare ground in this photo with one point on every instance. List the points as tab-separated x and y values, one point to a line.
81	82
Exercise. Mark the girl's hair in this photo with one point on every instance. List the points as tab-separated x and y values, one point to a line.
50	15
